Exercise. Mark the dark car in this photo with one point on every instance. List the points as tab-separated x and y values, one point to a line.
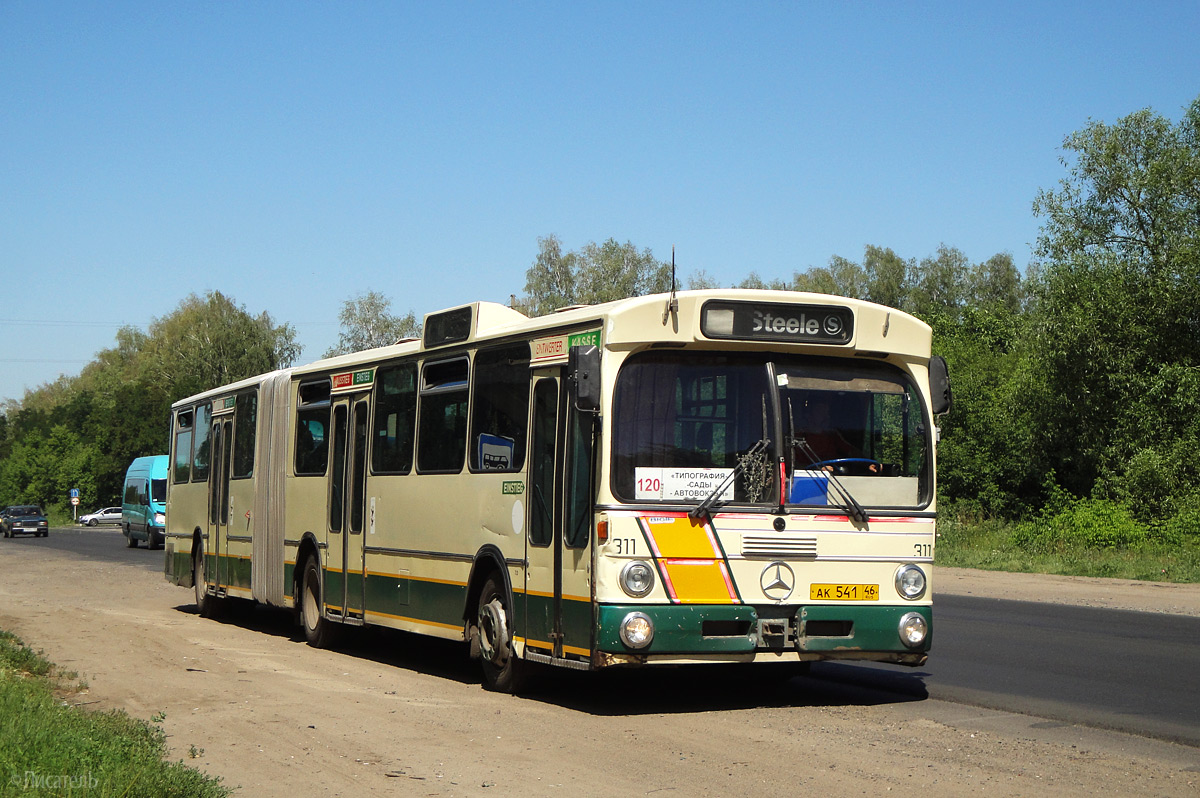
24	519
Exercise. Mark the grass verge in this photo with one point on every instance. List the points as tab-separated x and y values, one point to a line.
48	747
995	545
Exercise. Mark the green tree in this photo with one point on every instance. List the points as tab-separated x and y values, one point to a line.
996	285
1118	309
701	280
938	284
886	276
842	277
367	322
596	273
755	281
210	341
84	431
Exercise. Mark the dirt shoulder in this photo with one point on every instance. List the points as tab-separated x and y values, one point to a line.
1116	594
390	714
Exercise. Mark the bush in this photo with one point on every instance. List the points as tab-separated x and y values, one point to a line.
1180	527
1083	523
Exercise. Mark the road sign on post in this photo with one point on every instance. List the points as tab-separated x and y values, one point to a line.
74	493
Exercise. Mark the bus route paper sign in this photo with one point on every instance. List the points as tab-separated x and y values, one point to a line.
681	484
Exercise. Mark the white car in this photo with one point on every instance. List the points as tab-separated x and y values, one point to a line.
108	515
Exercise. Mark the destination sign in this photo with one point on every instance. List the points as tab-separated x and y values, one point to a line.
772	321
351	380
447	327
546	351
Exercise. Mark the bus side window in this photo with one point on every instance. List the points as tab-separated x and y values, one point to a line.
442	435
245	429
501	415
183	447
312	442
395	419
312	429
200	445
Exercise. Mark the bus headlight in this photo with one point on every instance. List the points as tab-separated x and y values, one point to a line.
910	582
160	519
913	629
637	630
637	578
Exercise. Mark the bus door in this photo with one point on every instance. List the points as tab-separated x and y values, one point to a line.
218	499
345	579
558	589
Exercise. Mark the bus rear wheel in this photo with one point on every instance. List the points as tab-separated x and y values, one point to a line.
207	605
130	540
502	670
319	631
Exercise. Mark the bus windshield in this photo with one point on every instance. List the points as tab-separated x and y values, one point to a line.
683	422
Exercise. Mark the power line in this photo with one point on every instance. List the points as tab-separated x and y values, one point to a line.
30	360
47	323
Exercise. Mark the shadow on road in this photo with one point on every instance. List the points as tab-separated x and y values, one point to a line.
616	691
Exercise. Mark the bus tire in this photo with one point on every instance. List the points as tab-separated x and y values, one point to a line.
502	671
207	605
151	539
130	540
319	631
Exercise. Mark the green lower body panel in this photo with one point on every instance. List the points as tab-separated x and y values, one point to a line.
535	621
682	630
179	567
439	603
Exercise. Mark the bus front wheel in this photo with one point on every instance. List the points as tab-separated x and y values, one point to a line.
501	668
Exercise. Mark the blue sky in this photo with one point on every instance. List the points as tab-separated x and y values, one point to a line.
295	154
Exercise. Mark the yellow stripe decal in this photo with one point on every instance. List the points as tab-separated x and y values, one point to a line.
690	560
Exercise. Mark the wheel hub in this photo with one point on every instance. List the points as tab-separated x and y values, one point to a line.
493	633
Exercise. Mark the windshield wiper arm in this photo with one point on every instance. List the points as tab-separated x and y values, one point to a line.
843	496
703	508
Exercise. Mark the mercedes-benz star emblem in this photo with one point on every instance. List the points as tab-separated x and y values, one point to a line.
777	581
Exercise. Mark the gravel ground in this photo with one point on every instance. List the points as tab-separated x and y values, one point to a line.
394	714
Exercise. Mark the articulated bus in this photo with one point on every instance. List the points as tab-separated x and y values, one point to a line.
702	477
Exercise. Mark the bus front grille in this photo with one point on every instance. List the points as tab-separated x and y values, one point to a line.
779	547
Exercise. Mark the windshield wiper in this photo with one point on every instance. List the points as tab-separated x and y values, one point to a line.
843	496
702	509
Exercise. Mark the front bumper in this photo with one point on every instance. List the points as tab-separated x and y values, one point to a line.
744	632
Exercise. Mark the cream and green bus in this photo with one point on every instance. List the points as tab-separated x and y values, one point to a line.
702	477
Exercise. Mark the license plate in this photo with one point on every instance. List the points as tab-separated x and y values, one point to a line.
843	593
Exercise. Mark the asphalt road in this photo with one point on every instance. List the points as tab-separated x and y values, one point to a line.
1134	672
97	543
1127	671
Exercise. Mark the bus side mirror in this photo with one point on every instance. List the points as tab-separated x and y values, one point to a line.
939	386
583	370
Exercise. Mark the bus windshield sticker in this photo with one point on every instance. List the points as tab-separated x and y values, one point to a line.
681	484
